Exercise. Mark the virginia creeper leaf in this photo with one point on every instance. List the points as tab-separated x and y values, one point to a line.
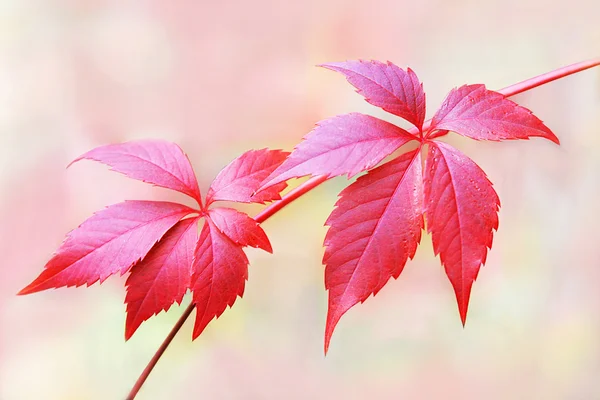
157	162
110	241
220	271
239	180
375	227
163	276
157	244
461	213
482	114
240	228
346	144
386	86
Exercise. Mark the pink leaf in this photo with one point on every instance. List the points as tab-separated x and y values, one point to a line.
482	114
163	276
461	213
110	241
375	228
239	180
220	272
387	86
346	144
240	228
157	162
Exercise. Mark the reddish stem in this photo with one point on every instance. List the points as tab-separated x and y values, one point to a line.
317	180
138	384
289	197
548	77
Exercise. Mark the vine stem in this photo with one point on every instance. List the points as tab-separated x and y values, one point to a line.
310	184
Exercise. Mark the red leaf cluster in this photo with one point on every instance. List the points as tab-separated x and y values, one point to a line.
157	243
377	223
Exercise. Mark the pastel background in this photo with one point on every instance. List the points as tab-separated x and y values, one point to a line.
221	77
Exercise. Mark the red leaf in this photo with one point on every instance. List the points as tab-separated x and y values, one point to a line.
482	114
163	276
157	162
346	144
240	228
461	213
220	271
375	228
110	241
239	180
387	86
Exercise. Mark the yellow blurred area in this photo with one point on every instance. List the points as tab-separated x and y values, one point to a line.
220	78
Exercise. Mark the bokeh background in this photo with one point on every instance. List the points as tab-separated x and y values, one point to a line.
221	77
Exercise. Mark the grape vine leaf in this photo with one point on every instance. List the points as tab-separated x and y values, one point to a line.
157	242
378	220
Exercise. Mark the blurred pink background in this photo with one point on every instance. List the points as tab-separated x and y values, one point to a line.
219	78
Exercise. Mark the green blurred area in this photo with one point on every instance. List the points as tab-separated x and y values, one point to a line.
220	78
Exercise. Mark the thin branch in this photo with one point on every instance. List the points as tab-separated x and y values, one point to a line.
316	181
138	384
549	77
289	197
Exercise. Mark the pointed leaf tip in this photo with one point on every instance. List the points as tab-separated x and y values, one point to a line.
462	299
334	314
29	289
